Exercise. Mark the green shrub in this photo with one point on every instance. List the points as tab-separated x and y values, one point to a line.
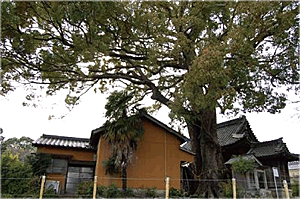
85	189
15	176
295	188
129	192
50	193
113	191
151	192
110	165
140	192
175	193
242	165
227	192
7	196
101	190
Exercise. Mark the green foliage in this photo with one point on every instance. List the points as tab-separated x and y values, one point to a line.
242	165
227	190
151	192
101	190
20	179
15	175
175	193
18	146
113	191
295	188
121	131
39	163
118	102
50	193
129	192
7	196
110	166
168	49
85	189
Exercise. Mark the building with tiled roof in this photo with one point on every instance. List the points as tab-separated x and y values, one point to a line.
75	157
271	149
74	160
237	140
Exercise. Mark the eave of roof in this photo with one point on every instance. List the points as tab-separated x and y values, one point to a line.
187	151
244	157
272	148
294	165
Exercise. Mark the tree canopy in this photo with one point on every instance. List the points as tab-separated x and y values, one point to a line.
193	57
187	53
22	147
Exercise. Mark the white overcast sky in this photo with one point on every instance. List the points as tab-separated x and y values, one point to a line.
17	120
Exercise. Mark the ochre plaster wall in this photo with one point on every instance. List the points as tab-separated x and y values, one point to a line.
77	154
158	155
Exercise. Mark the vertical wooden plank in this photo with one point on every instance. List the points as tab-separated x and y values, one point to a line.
234	188
286	189
167	187
95	188
42	186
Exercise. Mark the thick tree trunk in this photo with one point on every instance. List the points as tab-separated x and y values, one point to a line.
209	165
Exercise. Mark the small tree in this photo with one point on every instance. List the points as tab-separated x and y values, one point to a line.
243	165
21	177
39	163
122	132
15	176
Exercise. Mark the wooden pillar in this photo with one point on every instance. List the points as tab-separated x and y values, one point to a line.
286	189
95	188
167	186
42	186
234	188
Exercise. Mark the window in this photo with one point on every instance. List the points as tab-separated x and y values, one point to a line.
257	179
251	179
261	177
57	166
76	175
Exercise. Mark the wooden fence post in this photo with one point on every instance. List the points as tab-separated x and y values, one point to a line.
42	186
167	187
95	188
234	188
286	189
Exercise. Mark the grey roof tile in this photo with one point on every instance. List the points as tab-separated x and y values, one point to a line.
271	148
62	141
230	132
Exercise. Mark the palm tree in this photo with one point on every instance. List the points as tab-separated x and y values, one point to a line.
122	132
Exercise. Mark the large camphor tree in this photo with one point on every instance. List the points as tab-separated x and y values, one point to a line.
193	57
